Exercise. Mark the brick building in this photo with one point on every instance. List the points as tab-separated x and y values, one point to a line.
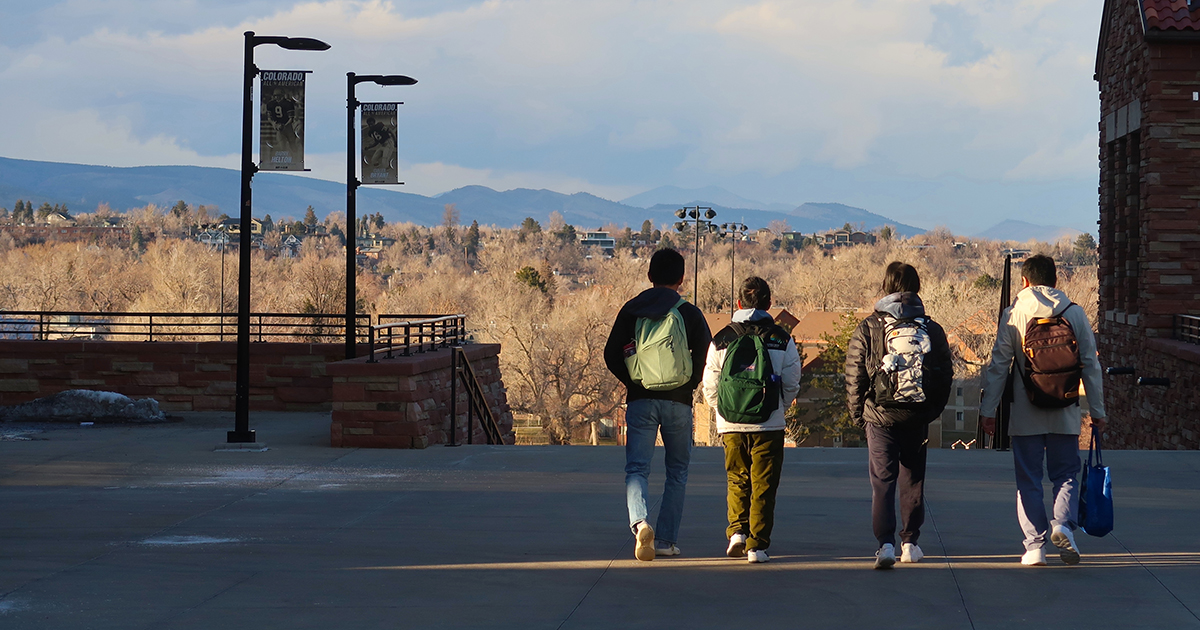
1148	70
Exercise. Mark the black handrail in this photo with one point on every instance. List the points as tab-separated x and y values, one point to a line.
430	333
477	403
151	326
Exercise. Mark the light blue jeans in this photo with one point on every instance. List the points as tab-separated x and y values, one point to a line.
1061	454
643	420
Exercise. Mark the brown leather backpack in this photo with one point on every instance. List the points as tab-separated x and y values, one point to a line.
1053	369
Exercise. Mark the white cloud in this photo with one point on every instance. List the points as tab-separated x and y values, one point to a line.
564	94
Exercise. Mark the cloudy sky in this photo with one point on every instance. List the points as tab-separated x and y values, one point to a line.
932	112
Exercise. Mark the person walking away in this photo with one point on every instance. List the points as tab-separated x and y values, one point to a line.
751	377
899	372
1051	341
656	349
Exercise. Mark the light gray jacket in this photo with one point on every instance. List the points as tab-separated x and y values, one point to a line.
785	363
1034	302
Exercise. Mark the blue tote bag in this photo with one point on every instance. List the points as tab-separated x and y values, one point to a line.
1095	493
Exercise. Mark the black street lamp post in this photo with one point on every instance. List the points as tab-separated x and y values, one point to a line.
692	214
352	184
241	430
734	231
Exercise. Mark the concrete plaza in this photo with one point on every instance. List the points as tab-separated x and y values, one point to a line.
148	527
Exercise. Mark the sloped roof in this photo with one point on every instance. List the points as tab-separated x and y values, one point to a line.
1169	15
1162	20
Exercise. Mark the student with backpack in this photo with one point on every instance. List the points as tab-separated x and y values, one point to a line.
899	372
751	377
1051	340
656	349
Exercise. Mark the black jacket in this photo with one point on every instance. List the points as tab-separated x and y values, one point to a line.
655	303
861	366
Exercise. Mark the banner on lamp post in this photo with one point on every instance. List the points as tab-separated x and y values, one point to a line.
379	152
281	120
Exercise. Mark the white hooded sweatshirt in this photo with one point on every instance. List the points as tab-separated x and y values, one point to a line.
1034	302
785	363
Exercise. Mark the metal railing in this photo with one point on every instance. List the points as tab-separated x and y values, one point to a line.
101	326
410	334
477	403
1187	328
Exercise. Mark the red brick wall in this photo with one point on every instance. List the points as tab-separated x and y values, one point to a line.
181	376
405	402
1149	233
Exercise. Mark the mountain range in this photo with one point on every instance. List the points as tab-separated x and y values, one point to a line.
83	187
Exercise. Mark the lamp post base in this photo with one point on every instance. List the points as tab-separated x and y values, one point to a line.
241	437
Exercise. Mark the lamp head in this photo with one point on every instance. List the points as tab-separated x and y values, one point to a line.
708	214
681	213
395	79
302	43
693	214
679	225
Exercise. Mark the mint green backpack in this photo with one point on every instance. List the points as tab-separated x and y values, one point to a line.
660	359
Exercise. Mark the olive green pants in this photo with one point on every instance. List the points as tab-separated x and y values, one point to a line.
753	464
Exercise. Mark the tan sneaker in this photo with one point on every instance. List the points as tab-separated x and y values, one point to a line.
644	550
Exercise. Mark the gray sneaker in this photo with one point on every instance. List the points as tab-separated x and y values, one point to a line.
665	549
885	557
1065	541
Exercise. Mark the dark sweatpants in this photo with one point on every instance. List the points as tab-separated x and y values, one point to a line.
897	453
753	465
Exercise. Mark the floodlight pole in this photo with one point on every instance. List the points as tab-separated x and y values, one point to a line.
241	432
352	184
693	213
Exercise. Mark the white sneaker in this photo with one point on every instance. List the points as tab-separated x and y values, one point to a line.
737	546
755	556
644	550
910	552
1034	558
1065	541
665	549
885	557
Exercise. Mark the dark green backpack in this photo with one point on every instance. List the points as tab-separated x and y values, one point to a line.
748	391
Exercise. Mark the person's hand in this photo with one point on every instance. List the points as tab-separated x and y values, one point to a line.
1098	425
989	424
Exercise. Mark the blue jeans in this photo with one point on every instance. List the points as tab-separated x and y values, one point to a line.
643	420
1061	453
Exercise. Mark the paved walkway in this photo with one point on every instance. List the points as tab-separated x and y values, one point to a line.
147	527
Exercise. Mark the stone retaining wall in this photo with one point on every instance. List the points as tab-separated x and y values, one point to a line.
405	402
181	376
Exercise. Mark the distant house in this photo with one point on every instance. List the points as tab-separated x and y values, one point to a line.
374	241
603	240
845	238
233	225
213	238
290	246
59	219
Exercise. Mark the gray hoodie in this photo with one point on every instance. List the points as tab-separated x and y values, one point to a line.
1034	302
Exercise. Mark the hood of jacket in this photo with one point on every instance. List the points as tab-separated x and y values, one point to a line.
751	315
1041	301
905	305
653	303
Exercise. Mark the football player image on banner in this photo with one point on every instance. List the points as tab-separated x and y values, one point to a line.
379	144
281	121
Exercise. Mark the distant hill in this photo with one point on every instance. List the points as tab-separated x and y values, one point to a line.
1021	231
707	196
83	187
